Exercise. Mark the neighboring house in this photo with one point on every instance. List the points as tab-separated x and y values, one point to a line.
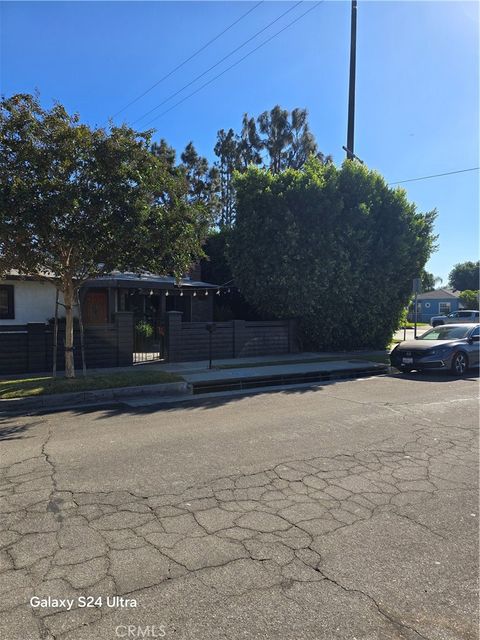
26	299
435	303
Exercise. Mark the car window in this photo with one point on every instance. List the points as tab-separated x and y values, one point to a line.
445	333
476	314
464	314
476	332
453	315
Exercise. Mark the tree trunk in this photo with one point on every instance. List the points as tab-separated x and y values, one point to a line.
55	335
82	334
69	299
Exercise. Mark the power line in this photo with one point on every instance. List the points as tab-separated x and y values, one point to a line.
218	63
236	63
436	175
179	66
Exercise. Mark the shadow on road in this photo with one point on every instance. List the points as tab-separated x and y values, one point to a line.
9	431
204	402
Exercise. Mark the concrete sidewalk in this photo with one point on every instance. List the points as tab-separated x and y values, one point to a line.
409	334
198	366
282	371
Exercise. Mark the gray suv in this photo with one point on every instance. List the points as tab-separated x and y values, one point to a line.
456	317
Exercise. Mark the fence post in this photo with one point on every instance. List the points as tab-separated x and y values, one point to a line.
239	337
36	347
174	335
124	329
292	336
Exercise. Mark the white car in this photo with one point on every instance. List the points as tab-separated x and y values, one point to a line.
456	317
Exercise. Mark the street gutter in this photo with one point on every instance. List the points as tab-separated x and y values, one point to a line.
77	398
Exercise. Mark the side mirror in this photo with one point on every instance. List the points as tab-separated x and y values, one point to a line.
474	338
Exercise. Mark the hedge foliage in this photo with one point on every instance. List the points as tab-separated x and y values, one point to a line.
334	247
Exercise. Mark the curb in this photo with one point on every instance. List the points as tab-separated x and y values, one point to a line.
87	397
268	380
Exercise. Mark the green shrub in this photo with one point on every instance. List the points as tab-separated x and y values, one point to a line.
334	247
144	329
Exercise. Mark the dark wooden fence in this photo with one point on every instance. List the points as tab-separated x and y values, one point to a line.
29	348
235	339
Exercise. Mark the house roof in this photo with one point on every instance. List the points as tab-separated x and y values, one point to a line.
137	280
147	281
439	294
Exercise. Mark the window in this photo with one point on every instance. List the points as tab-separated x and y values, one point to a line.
6	302
476	332
464	314
445	332
444	308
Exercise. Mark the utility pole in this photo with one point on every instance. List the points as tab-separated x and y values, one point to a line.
351	90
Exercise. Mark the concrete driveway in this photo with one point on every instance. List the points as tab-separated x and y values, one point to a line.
345	511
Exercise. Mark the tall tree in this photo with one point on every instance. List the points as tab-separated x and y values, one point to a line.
249	144
465	275
429	281
227	151
203	180
288	139
277	139
336	248
167	154
77	202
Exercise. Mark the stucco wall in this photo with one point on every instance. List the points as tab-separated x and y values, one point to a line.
33	302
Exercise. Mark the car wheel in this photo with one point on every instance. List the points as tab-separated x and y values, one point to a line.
459	363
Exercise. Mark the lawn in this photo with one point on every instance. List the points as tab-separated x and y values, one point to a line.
38	386
411	325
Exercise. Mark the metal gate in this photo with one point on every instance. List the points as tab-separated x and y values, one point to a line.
148	341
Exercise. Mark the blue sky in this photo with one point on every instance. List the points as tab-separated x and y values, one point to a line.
417	82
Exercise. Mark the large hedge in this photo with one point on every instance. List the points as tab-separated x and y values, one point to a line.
334	247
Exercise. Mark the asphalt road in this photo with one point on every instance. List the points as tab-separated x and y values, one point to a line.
345	512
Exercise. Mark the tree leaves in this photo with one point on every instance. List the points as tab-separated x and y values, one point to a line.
76	201
334	247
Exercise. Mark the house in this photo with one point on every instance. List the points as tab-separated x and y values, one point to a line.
435	303
26	300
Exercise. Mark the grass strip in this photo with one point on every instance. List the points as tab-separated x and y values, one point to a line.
38	386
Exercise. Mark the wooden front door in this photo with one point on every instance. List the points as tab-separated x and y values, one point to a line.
95	307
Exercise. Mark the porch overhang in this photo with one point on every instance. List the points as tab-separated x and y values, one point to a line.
148	282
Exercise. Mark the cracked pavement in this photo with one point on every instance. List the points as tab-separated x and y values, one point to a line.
346	511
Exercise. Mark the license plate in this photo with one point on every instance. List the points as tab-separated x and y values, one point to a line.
407	360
